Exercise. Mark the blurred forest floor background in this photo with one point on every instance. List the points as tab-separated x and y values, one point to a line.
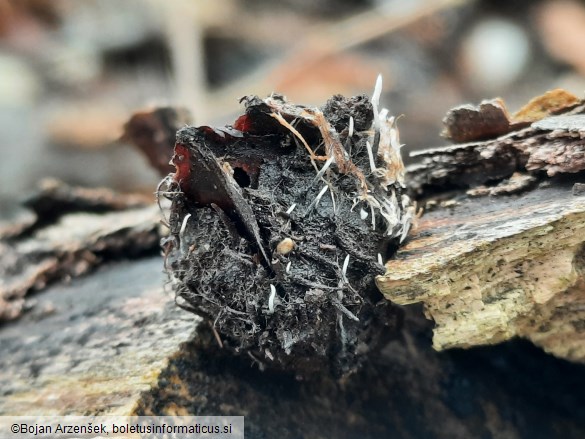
72	71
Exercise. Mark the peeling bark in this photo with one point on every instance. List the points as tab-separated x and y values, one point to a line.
492	268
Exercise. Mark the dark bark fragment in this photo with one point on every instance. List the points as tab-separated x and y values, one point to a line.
56	199
75	230
555	144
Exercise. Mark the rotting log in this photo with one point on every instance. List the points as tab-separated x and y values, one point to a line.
504	255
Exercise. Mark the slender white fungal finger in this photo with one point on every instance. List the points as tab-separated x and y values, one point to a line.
363	214
291	208
333	201
345	265
380	260
184	225
287	269
271	299
376	100
350	130
320	195
371	156
182	242
315	202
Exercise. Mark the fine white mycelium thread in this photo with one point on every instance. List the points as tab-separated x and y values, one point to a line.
376	100
350	130
291	208
371	156
166	182
271	299
380	260
287	269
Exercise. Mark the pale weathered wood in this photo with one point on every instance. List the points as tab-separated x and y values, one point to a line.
490	269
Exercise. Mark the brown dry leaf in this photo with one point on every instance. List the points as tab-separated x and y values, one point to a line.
544	105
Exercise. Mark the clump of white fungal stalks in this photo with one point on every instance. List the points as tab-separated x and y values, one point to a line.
388	173
381	184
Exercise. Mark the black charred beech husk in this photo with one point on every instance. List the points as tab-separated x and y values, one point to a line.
279	225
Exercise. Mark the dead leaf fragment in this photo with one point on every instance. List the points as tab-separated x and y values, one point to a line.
542	106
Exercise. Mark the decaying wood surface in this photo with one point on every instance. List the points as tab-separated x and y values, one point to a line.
71	231
92	346
492	268
554	143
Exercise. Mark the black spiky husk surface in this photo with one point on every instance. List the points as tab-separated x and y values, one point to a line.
319	317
